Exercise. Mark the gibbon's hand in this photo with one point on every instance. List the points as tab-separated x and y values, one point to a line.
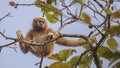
50	36
57	34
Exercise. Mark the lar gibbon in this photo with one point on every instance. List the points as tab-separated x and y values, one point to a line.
41	33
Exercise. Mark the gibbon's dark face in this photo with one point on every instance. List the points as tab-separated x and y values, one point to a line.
39	24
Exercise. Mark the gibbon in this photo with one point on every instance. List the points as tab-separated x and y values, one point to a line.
41	33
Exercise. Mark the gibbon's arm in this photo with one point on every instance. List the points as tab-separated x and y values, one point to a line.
72	43
66	42
23	46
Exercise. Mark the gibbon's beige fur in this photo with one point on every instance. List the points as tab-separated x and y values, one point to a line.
41	33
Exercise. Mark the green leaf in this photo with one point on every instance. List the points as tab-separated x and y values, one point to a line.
115	29
65	54
83	65
74	60
86	46
60	65
55	57
52	17
105	52
112	43
52	14
116	14
86	18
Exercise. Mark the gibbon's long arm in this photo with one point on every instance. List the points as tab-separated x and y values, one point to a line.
72	43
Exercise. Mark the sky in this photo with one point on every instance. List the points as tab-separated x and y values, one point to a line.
21	19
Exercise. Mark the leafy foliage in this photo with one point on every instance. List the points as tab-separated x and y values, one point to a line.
108	54
105	52
52	14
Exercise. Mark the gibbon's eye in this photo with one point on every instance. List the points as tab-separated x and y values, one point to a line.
41	22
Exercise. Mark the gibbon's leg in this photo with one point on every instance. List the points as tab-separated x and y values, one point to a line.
23	46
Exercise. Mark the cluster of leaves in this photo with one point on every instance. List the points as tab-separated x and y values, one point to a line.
52	13
63	60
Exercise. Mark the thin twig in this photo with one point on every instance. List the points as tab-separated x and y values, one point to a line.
99	3
8	44
7	37
5	16
43	47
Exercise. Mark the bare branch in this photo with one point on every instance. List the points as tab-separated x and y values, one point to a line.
5	16
7	37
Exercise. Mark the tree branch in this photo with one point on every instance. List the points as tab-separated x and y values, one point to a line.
81	57
5	16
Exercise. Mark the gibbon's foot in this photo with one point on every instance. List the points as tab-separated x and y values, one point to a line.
19	35
50	36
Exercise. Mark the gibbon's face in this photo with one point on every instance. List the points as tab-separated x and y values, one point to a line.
39	24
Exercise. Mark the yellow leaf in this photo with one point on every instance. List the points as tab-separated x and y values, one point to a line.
112	43
60	65
86	18
107	11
